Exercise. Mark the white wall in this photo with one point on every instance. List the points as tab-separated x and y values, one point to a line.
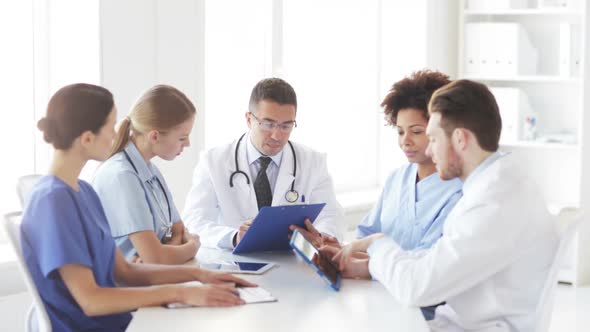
148	42
442	45
11	280
583	257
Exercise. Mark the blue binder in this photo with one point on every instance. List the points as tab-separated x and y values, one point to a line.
270	229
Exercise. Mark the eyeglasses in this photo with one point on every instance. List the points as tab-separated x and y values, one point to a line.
268	125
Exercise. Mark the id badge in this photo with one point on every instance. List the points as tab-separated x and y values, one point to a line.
167	231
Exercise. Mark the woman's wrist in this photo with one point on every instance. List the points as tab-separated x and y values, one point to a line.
175	240
178	294
197	273
192	245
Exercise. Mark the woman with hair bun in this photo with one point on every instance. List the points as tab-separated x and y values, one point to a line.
66	240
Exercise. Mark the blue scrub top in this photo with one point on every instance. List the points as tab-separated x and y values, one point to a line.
133	201
412	213
61	226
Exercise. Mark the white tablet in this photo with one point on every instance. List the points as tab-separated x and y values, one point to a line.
238	267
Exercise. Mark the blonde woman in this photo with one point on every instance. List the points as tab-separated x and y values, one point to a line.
66	240
138	204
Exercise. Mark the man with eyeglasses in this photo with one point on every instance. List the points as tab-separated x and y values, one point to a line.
233	182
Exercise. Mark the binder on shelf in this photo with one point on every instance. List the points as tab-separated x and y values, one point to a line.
472	48
569	50
482	5
558	4
498	49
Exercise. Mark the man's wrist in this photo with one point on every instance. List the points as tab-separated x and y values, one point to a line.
376	237
369	240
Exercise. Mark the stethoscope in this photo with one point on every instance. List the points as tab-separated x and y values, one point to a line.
169	223
291	196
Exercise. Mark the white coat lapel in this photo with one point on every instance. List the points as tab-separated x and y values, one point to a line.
284	178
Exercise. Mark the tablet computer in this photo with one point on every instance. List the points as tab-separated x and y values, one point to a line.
322	264
238	267
270	228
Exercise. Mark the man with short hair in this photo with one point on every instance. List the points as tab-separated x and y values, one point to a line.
261	168
498	242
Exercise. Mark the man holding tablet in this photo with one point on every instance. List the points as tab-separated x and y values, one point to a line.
499	241
261	168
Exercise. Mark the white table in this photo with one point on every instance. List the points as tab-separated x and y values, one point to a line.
305	303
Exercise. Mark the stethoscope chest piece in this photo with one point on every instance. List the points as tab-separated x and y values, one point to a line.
291	196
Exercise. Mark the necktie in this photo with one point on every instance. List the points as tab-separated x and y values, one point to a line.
261	184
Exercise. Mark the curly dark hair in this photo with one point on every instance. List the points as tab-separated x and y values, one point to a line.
414	92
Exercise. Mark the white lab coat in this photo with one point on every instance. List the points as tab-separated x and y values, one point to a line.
490	264
214	210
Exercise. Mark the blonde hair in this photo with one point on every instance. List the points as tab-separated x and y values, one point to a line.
160	108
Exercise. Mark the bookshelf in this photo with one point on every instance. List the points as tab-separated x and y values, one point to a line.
532	56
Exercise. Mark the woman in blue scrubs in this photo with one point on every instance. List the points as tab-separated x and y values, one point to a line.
415	201
143	218
66	240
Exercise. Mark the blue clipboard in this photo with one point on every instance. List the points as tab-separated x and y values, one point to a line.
270	229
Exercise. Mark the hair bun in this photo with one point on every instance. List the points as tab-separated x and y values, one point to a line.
42	124
46	126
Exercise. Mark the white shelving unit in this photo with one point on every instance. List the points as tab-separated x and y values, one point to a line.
573	148
522	12
525	78
556	93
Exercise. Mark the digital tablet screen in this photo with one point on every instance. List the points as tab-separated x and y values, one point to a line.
238	267
306	249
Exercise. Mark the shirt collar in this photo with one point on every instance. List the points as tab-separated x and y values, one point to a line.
143	169
254	154
481	167
414	170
